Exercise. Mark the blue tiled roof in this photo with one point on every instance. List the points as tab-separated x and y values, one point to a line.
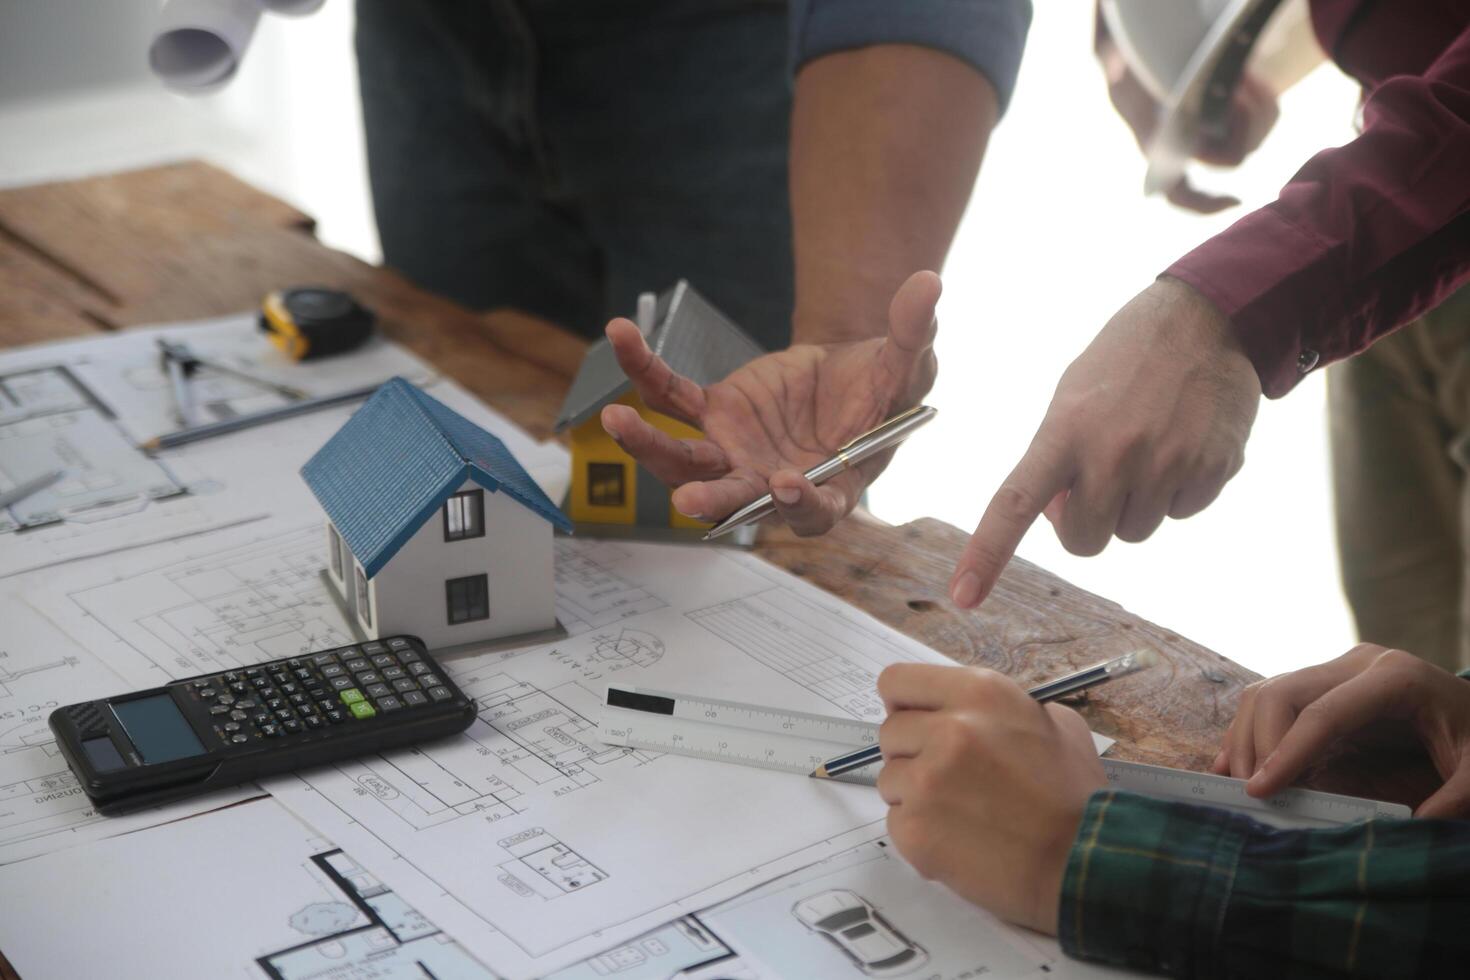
398	459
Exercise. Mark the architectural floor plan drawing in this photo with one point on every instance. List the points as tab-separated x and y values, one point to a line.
42	808
532	761
295	907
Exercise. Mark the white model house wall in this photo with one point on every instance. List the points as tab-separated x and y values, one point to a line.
515	553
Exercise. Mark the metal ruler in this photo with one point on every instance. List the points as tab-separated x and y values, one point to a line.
798	742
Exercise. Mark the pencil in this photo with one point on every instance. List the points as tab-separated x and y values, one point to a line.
1050	691
223	426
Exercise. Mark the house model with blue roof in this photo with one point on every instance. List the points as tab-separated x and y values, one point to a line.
433	528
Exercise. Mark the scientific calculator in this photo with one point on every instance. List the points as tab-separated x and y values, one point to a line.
216	730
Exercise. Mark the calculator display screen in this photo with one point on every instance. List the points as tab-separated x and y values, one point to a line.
157	728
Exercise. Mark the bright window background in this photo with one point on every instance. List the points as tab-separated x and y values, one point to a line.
1057	237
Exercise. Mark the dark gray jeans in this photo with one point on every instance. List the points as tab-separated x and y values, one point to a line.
561	156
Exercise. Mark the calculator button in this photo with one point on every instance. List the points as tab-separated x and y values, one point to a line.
362	710
207	693
280	676
351	696
294	662
219	709
285	713
374	647
418	668
316	691
299	698
378	690
290	688
335	716
405	684
440	693
333	670
226	699
322	659
383	660
303	673
262	719
254	671
270	730
245	704
358	663
398	643
415	698
239	687
429	680
343	683
390	703
326	704
238	739
393	673
275	704
261	680
231	676
314	721
369	677
232	726
292	726
407	656
238	715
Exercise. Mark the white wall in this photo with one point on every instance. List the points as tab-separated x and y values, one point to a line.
515	553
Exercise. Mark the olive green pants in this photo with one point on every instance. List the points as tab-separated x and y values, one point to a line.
1400	421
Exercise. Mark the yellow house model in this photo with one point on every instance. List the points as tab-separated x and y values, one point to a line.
609	491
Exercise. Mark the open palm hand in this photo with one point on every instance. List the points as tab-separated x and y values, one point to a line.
778	416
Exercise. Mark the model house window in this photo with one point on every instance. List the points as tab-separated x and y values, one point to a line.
364	603
605	485
469	598
464	516
334	546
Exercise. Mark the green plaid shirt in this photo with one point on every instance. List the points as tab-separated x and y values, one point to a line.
1193	891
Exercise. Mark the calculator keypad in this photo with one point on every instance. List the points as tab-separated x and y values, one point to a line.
318	692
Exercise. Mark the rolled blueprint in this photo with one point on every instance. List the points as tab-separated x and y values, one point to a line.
198	44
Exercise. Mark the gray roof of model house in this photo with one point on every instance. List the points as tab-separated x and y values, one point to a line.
694	338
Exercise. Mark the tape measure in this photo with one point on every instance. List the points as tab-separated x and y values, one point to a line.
311	322
797	742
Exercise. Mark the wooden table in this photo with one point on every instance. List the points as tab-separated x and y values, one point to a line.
190	241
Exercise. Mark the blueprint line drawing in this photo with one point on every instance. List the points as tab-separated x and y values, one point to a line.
248	604
589	594
50	420
804	644
525	742
545	866
369	933
852	924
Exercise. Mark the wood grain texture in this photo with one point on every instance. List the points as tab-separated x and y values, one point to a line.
190	241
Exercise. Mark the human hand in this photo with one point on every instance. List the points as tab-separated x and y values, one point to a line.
1253	112
778	416
985	786
1151	420
1370	698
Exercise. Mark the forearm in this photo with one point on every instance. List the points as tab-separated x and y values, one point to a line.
885	145
1195	892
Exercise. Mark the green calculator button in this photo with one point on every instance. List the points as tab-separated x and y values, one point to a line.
361	709
352	696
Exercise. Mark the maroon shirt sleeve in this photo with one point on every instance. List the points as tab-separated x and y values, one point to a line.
1364	238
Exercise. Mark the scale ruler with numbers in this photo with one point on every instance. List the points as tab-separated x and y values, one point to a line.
797	742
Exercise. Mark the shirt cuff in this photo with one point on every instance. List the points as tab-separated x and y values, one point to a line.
1147	883
1267	277
988	34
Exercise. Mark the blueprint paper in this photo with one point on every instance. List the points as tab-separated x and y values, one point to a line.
274	901
79	405
887	913
532	842
42	808
198	45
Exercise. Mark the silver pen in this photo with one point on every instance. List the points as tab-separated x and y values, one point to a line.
865	446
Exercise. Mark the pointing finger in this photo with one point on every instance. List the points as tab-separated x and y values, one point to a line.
1044	471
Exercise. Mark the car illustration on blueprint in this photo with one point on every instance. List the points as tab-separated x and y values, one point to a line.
855	927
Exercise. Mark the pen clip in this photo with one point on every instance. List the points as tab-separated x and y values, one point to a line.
875	430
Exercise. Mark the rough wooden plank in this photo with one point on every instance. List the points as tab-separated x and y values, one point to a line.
1033	627
38	302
